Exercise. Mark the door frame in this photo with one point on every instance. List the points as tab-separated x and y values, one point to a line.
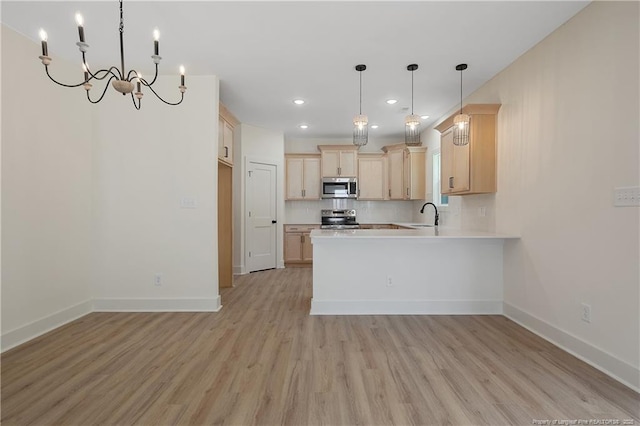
279	208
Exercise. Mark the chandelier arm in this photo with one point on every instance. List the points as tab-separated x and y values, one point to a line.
132	77
154	77
137	106
168	103
103	92
46	67
106	73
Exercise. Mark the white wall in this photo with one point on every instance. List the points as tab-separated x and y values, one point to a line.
145	163
258	144
46	194
568	134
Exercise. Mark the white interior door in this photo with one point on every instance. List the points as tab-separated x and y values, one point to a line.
261	216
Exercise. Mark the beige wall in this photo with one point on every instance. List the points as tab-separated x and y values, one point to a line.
145	162
568	135
46	194
91	197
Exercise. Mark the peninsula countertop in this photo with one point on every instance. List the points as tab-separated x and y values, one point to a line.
421	233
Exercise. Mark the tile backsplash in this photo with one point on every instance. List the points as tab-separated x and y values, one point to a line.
299	212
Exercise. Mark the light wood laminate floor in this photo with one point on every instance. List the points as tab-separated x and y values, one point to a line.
264	360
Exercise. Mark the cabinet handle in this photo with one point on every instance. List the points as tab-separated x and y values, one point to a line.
226	152
451	182
389	192
407	192
303	193
302	238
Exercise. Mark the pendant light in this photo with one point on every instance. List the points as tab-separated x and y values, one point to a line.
412	121
461	121
360	121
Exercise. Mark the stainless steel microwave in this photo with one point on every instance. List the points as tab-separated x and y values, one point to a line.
339	187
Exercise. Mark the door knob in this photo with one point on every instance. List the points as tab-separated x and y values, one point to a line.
274	221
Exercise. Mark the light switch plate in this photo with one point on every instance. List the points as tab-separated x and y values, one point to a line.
188	203
626	196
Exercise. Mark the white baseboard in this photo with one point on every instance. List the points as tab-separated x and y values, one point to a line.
39	327
239	270
405	307
157	305
618	369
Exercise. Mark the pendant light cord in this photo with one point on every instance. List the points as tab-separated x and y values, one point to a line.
412	92
461	91
360	92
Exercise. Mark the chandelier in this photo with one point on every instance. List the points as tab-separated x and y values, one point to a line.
120	79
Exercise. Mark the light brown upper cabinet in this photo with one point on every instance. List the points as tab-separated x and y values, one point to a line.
372	177
406	175
339	160
226	124
303	176
470	169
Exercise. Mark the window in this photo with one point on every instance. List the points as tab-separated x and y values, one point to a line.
438	198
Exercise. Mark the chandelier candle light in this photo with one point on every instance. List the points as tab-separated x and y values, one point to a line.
412	121
360	121
461	121
121	80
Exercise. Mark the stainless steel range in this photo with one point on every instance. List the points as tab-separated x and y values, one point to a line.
339	219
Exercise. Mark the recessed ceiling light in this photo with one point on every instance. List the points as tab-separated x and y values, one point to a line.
374	126
303	126
298	101
424	117
391	101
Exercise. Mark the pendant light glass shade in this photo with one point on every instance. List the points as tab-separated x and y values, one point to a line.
360	121
412	129
412	121
461	121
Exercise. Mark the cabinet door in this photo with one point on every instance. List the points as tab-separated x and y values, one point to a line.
461	171
454	165
446	162
415	175
295	173
311	178
292	246
396	175
371	178
220	138
330	163
348	163
227	149
307	248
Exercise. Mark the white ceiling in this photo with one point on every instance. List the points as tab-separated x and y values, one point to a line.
268	53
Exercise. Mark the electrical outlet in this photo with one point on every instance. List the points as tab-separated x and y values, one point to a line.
157	280
482	211
389	281
586	313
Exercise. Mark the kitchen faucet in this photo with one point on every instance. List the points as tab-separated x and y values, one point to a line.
434	206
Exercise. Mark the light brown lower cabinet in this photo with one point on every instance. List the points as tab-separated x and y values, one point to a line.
378	226
298	250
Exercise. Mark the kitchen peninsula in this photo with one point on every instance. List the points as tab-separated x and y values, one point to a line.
407	272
